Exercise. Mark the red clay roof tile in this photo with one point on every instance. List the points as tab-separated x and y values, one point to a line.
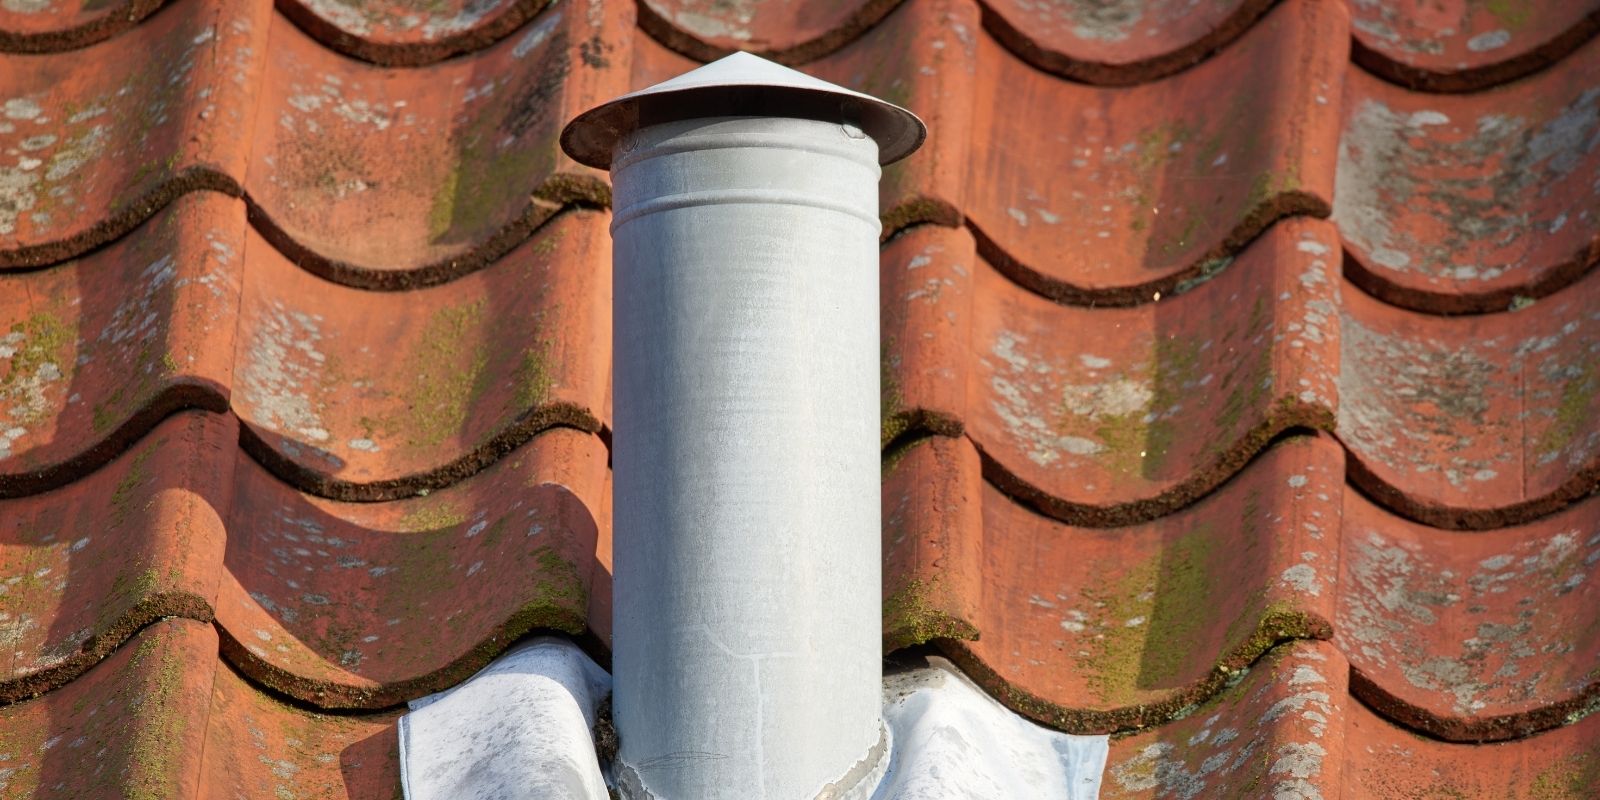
1457	47
364	605
1452	204
132	727
87	565
1115	194
362	395
1473	422
1105	416
443	170
105	136
88	366
1100	630
1471	637
790	32
1278	732
256	746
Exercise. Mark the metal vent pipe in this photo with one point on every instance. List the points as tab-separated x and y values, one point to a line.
747	646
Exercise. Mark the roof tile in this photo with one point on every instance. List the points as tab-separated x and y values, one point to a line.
790	32
469	163
1473	422
1471	637
41	27
363	605
1456	47
85	566
408	33
363	395
1119	193
87	366
256	744
1452	204
1105	416
1119	42
133	727
1101	630
99	148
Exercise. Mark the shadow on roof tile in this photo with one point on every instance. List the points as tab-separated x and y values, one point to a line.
361	395
108	135
1105	196
84	567
95	352
1473	422
1462	203
1459	47
390	179
370	604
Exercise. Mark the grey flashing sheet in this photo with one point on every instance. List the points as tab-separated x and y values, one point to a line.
521	729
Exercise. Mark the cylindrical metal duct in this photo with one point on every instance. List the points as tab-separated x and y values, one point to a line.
746	637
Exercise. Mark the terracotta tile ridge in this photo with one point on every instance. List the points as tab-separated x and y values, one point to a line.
1474	730
107	24
557	195
1478	78
1272	636
1284	421
530	424
1575	270
120	223
1044	57
292	702
867	14
171	401
1582	484
478	36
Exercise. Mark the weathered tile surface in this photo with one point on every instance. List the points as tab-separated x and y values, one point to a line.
386	178
96	140
363	395
1107	195
1103	416
407	32
372	604
84	566
43	26
1456	46
94	352
1476	421
1467	203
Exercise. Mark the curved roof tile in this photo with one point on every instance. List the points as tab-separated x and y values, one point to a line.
1459	47
401	33
102	138
1106	196
362	395
43	26
1464	203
